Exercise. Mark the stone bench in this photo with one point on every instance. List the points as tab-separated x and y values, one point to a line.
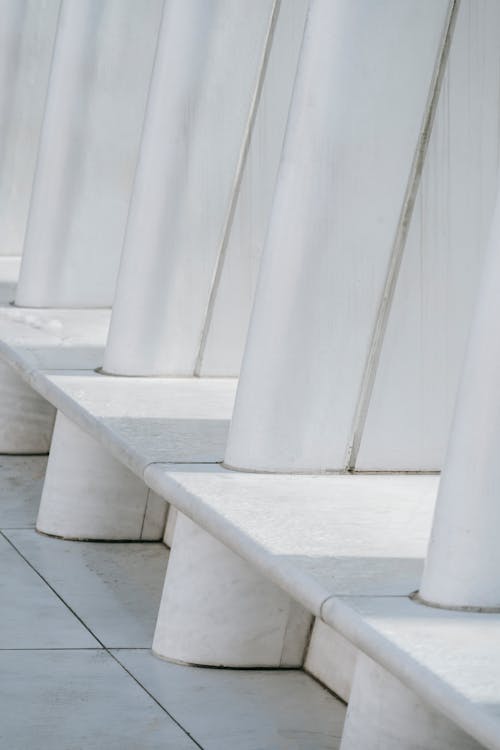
256	557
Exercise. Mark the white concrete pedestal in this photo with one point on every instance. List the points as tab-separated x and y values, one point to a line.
26	420
384	714
87	494
217	611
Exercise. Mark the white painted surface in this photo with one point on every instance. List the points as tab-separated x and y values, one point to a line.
26	420
412	405
238	710
192	152
217	610
227	330
331	659
143	420
27	32
88	494
464	554
115	588
323	268
383	713
88	149
52	339
312	535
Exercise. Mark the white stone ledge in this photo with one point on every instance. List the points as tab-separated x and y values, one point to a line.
286	526
172	419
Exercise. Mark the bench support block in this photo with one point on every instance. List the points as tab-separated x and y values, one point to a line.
216	610
383	713
88	494
26	419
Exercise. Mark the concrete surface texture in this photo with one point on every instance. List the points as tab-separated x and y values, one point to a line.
75	661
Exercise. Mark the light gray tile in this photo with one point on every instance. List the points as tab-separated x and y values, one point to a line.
70	700
21	481
242	709
114	587
32	615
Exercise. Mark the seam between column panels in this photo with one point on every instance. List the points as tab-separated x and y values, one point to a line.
385	305
219	266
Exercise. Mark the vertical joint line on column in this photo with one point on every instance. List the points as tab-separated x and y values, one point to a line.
240	167
385	305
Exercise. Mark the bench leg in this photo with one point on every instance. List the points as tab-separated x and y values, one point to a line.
383	713
88	494
26	419
216	610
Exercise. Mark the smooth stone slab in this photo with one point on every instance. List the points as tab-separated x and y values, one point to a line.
146	420
21	482
450	658
52	339
314	536
114	587
240	709
32	615
79	699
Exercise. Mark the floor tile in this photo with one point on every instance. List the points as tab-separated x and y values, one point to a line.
115	587
79	700
32	615
21	481
242	709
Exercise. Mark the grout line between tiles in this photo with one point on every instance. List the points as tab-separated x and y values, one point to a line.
103	647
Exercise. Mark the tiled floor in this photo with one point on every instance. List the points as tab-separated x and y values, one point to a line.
75	667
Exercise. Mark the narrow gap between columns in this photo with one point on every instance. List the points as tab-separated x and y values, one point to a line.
219	265
385	305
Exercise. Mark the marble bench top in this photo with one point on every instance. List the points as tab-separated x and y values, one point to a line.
170	420
350	548
52	339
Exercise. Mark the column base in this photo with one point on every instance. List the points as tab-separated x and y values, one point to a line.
216	610
26	419
88	494
383	713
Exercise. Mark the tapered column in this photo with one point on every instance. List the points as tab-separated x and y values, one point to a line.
88	494
383	713
217	610
27	33
203	187
345	189
89	144
463	559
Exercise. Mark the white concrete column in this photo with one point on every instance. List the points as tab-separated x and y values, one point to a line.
27	33
88	494
203	187
344	196
216	610
463	560
89	143
383	713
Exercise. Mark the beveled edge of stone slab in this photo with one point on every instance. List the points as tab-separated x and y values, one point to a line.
421	673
